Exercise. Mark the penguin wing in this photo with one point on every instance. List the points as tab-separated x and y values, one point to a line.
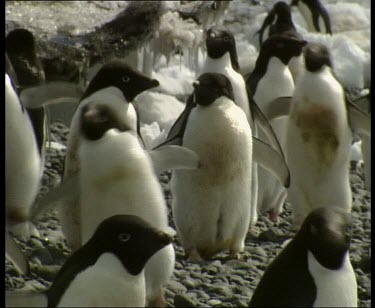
278	107
266	127
13	253
65	194
178	128
25	299
359	121
326	20
271	160
173	157
51	93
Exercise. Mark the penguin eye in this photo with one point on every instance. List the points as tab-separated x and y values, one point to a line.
125	78
226	38
124	237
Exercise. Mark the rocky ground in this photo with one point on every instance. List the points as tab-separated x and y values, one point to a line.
222	281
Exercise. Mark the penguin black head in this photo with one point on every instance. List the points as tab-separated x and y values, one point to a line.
211	86
118	74
220	41
131	239
316	56
21	50
281	46
96	120
282	11
326	233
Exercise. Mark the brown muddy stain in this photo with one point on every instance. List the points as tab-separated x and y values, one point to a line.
319	129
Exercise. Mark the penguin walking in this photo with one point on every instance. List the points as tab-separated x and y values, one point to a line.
211	204
270	80
314	269
318	138
315	15
108	271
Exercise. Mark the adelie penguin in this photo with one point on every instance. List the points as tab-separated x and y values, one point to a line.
222	59
315	15
108	271
314	269
279	22
268	84
211	204
319	137
26	95
112	165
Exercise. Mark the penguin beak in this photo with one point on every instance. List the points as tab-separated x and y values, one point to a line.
165	239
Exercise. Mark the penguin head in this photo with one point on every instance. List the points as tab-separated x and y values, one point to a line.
282	46
118	74
282	11
21	50
97	119
220	41
316	56
131	239
326	233
211	86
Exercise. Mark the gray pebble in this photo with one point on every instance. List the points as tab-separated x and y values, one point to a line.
214	302
183	300
176	286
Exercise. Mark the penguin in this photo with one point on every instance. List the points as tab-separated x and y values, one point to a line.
318	139
315	14
314	268
108	271
283	25
210	205
270	80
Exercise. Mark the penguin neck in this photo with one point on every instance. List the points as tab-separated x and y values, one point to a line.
222	62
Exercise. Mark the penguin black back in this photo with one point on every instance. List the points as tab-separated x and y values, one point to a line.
280	46
21	51
211	86
317	9
218	42
131	239
287	281
118	74
316	55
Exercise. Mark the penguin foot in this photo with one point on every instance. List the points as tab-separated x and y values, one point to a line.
24	230
236	255
254	231
158	300
194	256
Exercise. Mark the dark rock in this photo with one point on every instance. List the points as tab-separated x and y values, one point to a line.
182	300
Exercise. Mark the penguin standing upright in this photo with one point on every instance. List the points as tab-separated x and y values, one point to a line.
314	269
211	204
108	271
318	138
270	80
283	25
315	14
25	133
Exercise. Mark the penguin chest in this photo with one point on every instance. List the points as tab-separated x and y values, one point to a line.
105	284
222	139
318	129
335	288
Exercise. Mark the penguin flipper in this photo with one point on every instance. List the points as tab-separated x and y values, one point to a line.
64	194
173	157
360	122
271	160
265	126
51	93
25	299
13	253
278	107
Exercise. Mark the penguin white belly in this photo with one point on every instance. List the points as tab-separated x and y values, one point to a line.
296	66
318	146
105	284
335	288
117	177
211	205
271	194
23	162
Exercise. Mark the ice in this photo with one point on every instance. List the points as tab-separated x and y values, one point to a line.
151	135
356	151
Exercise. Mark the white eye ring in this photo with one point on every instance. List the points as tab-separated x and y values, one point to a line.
212	35
125	78
124	237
